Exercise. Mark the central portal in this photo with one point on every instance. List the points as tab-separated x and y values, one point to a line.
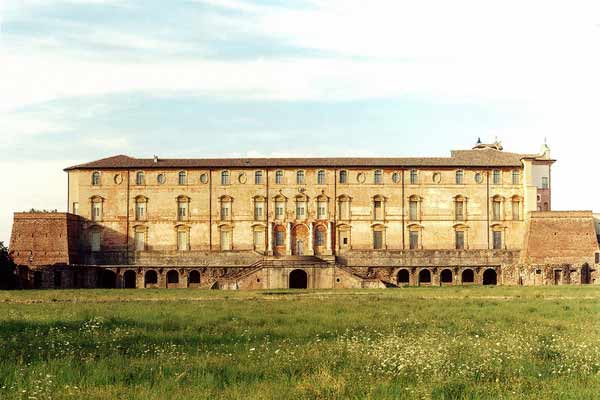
298	279
300	238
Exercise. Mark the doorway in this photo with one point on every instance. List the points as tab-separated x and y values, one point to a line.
298	279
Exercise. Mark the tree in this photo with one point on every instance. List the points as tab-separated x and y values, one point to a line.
7	269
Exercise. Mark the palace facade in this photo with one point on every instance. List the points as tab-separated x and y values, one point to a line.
306	222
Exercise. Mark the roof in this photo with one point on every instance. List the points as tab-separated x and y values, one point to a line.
459	158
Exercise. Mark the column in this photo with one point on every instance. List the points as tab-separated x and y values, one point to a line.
270	239
328	236
288	239
311	251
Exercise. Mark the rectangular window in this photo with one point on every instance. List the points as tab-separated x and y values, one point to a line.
320	238
516	210
225	240
259	240
496	206
516	177
322	210
182	211
414	178
279	177
378	209
258	178
140	241
497	240
258	211
460	240
321	177
140	211
413	238
95	241
378	240
459	177
378	177
279	210
225	211
182	241
279	238
97	211
545	182
459	211
343	176
300	210
76	208
344	210
496	177
300	177
413	210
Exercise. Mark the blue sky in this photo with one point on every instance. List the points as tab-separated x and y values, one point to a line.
85	79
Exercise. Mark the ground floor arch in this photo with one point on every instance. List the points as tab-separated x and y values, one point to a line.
468	276
403	277
446	277
151	279
172	279
425	277
490	277
109	279
298	279
129	279
194	279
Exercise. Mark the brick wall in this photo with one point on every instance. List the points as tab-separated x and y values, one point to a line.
40	239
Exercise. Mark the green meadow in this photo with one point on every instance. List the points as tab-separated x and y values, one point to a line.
410	343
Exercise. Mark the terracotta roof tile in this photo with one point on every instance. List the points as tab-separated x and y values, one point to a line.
459	158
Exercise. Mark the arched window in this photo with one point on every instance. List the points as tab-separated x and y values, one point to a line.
459	177
378	177
279	177
150	278
194	277
139	178
224	177
300	177
182	178
321	177
343	176
96	178
258	175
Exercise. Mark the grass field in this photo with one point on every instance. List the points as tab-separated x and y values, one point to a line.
414	343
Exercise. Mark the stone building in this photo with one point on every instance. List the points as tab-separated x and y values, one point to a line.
480	216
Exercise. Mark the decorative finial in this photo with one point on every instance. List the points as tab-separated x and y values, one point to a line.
478	140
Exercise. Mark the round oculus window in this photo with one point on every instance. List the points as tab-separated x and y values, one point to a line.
242	178
395	177
118	179
161	179
437	177
204	178
478	177
361	177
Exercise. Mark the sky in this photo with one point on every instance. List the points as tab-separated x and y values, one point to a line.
85	79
